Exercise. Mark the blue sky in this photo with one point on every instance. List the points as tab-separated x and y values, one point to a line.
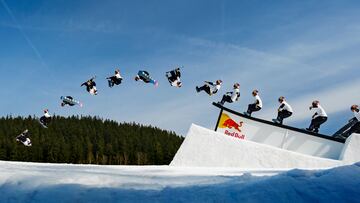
303	50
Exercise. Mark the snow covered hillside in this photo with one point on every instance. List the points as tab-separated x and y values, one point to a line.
36	182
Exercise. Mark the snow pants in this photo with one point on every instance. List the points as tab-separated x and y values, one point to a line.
226	98
252	108
354	129
205	88
316	122
283	114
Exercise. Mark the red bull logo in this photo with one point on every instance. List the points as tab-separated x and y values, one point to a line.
235	134
230	123
227	122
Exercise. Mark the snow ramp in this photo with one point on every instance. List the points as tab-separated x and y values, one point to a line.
206	148
247	142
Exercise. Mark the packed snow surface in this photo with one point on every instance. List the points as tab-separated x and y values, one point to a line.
35	182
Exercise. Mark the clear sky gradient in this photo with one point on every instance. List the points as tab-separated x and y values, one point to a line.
303	50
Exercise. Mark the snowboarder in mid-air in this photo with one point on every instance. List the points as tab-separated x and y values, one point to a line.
115	79
209	87
231	96
256	106
145	77
24	138
173	77
90	86
318	118
69	100
45	119
284	111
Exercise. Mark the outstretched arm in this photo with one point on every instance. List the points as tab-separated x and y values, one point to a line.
210	83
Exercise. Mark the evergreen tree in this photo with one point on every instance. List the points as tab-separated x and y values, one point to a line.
87	140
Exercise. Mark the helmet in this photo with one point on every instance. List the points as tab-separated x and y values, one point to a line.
219	82
137	78
281	99
236	85
255	92
354	107
315	103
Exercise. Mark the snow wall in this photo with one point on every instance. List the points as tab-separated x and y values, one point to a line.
206	148
281	136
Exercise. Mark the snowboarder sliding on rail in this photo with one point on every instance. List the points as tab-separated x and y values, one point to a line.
318	118
69	100
356	127
45	119
174	77
284	110
231	96
90	86
256	106
209	87
145	77
24	138
115	79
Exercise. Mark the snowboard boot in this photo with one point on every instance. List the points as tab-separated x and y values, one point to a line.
275	120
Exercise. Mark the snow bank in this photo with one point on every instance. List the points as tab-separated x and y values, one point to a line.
29	182
206	148
351	151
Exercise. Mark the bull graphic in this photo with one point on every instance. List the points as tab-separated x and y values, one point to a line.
227	122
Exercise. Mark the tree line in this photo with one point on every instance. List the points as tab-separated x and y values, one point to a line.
87	140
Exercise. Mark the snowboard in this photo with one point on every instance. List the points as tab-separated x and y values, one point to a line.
42	124
71	101
276	120
110	83
154	82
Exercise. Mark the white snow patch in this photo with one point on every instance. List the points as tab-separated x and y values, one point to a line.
33	182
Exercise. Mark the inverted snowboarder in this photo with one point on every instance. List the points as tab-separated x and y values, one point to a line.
231	96
145	77
256	106
318	118
115	79
173	77
24	138
69	100
90	86
284	111
45	119
209	87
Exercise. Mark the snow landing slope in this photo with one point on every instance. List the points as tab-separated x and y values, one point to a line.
31	182
230	181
